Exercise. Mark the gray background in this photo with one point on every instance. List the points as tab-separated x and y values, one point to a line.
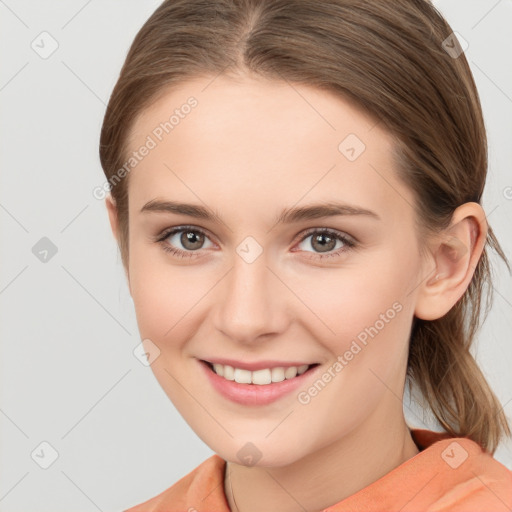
68	329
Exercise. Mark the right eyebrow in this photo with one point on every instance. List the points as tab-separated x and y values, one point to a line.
192	210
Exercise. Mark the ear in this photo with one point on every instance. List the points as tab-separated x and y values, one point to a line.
456	252
110	203
112	215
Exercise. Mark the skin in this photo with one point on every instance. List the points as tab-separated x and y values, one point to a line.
248	150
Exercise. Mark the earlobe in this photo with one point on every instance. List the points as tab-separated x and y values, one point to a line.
456	252
112	215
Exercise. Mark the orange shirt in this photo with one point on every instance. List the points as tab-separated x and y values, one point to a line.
448	474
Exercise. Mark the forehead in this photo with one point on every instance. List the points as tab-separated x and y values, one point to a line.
267	141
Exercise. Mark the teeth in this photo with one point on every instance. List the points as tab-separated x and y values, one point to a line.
302	369
259	377
219	369
229	372
242	376
290	372
277	374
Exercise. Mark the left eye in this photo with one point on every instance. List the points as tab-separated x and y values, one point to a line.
325	241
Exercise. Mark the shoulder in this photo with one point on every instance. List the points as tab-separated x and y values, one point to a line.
458	475
470	478
201	489
449	474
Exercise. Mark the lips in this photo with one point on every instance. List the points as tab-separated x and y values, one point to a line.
252	386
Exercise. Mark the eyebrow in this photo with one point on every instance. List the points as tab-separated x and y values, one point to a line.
287	216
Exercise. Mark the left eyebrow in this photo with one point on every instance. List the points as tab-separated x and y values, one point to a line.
287	216
317	211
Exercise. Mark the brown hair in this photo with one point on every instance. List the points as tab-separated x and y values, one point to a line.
388	59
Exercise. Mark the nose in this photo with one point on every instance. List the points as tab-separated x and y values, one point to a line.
252	302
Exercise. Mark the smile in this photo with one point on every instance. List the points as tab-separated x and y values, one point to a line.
259	377
257	384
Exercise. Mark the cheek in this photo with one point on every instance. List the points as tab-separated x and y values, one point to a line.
164	295
167	302
370	313
356	300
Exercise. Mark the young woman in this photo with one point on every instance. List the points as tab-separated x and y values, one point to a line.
295	188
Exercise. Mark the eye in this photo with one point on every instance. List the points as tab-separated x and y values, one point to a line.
325	241
190	238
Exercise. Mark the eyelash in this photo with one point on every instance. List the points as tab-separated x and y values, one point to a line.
348	243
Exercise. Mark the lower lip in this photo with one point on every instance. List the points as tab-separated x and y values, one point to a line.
254	394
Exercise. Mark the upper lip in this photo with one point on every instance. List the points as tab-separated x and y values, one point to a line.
255	365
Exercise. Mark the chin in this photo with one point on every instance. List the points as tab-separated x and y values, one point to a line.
259	454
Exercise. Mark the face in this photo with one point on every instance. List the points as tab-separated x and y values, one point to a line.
297	255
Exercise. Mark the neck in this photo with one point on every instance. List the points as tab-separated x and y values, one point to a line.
323	478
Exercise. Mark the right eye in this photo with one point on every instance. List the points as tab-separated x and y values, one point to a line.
190	238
